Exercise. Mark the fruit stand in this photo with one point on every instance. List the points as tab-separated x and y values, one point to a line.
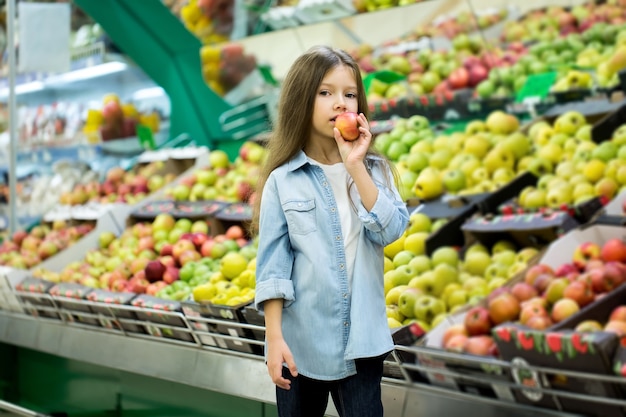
131	294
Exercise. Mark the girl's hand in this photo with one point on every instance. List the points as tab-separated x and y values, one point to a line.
353	152
278	353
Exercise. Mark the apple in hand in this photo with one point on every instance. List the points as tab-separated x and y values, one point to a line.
348	125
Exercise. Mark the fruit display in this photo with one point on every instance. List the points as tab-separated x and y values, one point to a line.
167	258
224	66
117	120
222	180
426	288
26	249
210	21
546	296
119	185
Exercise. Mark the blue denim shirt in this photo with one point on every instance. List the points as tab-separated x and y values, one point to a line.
301	259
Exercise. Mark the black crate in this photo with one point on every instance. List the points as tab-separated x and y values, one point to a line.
162	318
205	331
252	316
109	307
229	316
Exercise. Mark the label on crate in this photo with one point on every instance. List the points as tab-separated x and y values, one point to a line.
105	321
233	333
153	330
66	316
436	378
524	375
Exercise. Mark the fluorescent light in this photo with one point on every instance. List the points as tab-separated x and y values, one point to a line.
87	73
23	88
146	93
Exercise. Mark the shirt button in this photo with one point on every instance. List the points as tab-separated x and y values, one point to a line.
345	296
345	323
338	237
340	266
299	204
325	184
332	209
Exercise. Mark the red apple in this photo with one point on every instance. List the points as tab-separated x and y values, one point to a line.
534	271
171	274
505	307
613	249
456	343
348	125
585	252
539	322
477	321
523	291
618	314
579	292
479	345
453	330
531	310
616	326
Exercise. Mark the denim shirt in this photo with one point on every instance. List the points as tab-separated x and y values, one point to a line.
301	259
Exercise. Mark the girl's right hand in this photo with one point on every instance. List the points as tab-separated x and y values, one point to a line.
278	353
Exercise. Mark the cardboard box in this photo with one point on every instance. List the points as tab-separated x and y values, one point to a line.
568	351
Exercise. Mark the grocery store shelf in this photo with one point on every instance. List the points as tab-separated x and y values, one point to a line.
224	371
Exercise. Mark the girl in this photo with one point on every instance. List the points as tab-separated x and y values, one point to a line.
326	209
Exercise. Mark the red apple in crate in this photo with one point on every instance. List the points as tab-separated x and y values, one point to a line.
613	249
563	309
171	274
585	252
479	345
348	125
154	271
477	321
456	343
618	314
616	326
539	322
453	330
505	307
534	271
529	311
155	287
580	292
565	270
523	291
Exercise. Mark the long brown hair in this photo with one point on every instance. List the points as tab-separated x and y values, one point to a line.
295	109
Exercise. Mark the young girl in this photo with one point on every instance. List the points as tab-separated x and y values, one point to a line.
326	209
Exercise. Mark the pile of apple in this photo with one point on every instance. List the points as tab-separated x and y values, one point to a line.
120	186
26	249
546	296
225	65
223	180
148	257
199	22
118	120
570	166
424	289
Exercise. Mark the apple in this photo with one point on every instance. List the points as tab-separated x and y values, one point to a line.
476	263
428	307
588	326
613	249
407	300
482	345
616	326
523	291
580	292
535	270
504	307
477	321
564	308
452	330
539	322
529	311
585	252
348	125
556	289
456	343
618	313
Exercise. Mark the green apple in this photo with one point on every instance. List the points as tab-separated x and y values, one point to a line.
477	145
454	180
428	284
420	264
526	254
393	312
403	274
428	307
540	166
476	262
554	290
498	158
419	222
496	270
394	294
569	122
428	184
476	246
446	273
505	257
495	283
535	199
558	196
445	255
402	258
416	161
416	242
457	297
407	300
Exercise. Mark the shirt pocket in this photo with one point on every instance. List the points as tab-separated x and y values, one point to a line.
300	215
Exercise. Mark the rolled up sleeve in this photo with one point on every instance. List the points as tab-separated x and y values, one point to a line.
274	255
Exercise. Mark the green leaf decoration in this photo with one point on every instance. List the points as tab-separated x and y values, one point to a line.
540	342
589	339
559	356
571	352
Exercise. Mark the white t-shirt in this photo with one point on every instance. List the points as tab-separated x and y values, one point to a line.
338	178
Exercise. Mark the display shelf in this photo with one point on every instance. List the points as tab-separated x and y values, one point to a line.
222	371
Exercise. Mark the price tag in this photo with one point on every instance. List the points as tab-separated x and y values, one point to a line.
233	332
105	321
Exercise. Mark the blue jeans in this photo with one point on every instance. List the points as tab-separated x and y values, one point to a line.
358	395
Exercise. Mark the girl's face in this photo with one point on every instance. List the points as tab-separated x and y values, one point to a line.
336	94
